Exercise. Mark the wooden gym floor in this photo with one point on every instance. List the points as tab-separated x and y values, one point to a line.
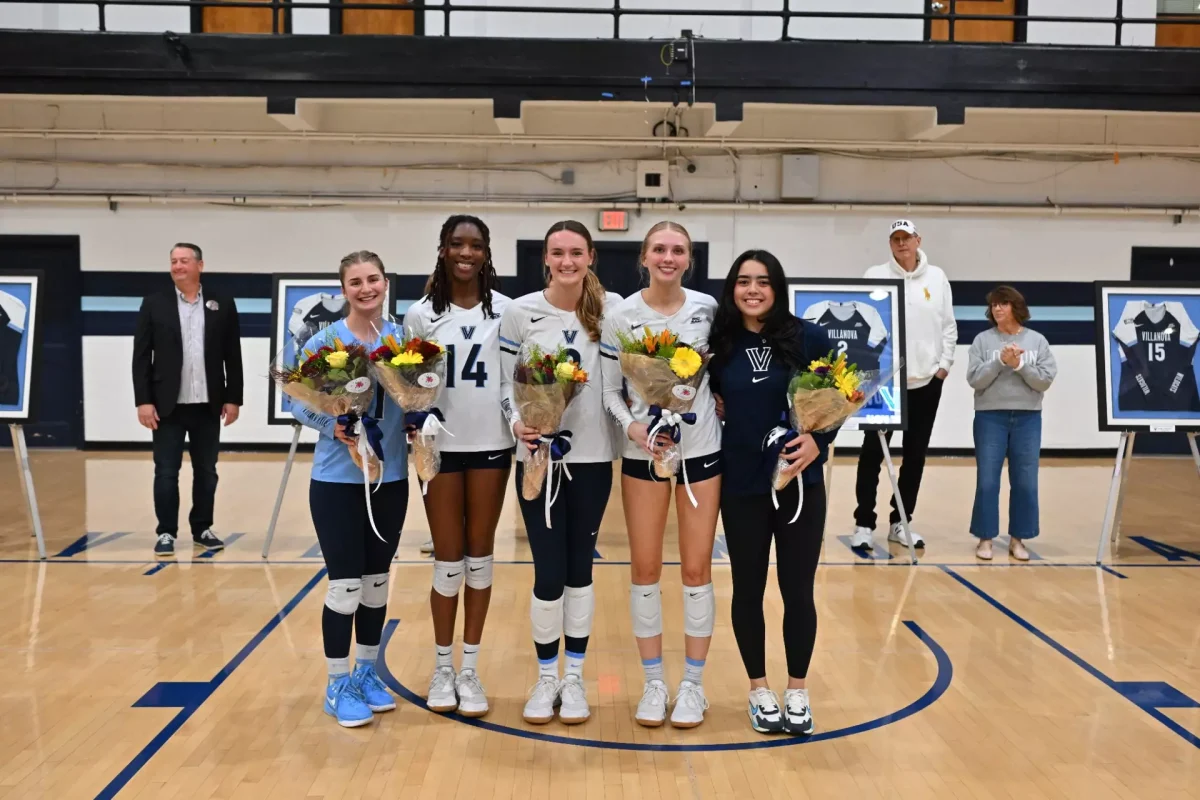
201	677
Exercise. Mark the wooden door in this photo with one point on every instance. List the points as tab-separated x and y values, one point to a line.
968	30
1167	35
214	19
382	22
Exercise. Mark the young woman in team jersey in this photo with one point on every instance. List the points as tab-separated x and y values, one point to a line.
357	560
567	313
758	345
461	311
665	304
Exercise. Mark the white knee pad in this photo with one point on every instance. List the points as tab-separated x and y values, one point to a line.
479	572
645	606
578	607
699	610
547	619
375	590
344	594
448	577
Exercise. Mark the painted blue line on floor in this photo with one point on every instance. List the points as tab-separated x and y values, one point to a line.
313	552
89	541
159	567
190	696
945	673
596	554
1168	551
876	553
1144	695
230	539
92	562
1112	571
720	547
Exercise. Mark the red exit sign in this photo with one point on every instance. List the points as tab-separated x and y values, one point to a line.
614	220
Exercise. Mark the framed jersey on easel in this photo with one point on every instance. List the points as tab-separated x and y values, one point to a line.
1146	366
865	320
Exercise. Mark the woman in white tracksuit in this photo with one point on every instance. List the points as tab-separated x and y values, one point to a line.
931	335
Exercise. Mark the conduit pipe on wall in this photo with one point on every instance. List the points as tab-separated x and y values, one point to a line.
316	202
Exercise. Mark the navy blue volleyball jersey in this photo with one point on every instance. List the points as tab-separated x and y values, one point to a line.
1158	346
753	383
855	329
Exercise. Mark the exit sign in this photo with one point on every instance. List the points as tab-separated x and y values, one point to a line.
614	220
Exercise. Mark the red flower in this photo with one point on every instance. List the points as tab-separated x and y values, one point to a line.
428	349
381	353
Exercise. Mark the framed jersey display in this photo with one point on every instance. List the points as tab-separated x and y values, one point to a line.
302	305
19	337
1146	365
865	320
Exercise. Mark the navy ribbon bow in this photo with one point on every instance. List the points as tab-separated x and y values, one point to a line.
674	431
416	419
778	446
370	428
560	444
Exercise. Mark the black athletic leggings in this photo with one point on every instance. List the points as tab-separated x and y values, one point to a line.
351	550
750	522
562	554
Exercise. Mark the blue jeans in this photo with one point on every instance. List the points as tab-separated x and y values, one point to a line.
1016	435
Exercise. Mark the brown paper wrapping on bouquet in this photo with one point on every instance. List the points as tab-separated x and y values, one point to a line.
416	389
540	406
814	411
335	406
658	385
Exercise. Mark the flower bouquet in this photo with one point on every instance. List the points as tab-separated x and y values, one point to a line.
666	375
820	399
335	381
413	373
543	386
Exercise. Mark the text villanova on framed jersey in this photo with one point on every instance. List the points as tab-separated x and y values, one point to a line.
20	336
865	320
302	304
1146	365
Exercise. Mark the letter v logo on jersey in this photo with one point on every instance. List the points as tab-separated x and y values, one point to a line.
760	358
467	331
570	336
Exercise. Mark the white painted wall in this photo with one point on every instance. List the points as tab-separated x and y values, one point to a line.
149	18
834	245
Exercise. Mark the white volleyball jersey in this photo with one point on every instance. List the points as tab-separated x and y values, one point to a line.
692	323
470	400
533	320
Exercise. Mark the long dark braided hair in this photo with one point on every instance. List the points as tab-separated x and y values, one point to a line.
437	288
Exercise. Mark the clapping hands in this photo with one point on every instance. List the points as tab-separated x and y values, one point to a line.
1011	355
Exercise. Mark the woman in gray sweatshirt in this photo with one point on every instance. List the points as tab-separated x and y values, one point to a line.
1010	367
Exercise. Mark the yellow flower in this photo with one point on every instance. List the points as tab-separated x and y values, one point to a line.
686	362
337	359
846	382
407	358
565	371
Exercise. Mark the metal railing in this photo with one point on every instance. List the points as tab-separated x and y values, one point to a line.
935	11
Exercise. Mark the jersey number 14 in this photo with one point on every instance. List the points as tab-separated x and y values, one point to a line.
473	369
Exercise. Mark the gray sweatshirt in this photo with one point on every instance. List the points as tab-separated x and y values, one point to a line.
999	387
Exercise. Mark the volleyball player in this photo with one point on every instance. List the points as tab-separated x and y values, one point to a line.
357	560
461	311
567	313
666	255
758	344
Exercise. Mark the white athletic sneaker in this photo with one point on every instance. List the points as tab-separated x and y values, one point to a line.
797	716
542	700
441	697
690	705
427	547
897	535
764	711
862	539
472	700
652	710
573	697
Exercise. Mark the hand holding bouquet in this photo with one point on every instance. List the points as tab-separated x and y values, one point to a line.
820	399
666	374
413	373
335	381
543	386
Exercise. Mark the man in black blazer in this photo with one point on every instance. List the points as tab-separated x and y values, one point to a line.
187	377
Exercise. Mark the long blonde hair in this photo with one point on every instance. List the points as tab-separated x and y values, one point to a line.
666	225
590	308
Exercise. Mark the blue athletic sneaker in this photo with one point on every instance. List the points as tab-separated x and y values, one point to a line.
344	701
372	688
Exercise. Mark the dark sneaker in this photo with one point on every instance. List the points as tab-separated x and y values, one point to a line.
165	546
208	541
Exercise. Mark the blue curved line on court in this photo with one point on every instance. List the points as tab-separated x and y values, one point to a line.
945	673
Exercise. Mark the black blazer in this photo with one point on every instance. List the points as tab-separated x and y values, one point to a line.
158	352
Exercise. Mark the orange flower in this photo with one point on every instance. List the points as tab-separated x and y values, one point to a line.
580	376
649	342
